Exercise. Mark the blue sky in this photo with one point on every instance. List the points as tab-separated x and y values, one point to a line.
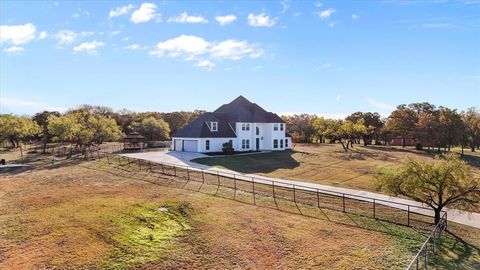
325	57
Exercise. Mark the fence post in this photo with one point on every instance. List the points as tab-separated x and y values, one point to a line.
175	170
188	175
139	165
273	188
253	187
218	179
343	199
318	198
408	215
234	187
426	256
374	216
163	170
119	163
150	163
294	197
203	178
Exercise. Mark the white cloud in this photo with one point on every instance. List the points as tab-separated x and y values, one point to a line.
227	19
325	14
145	13
134	47
88	47
119	11
318	4
379	105
338	97
67	37
185	18
285	6
26	106
194	48
14	50
234	50
182	45
205	64
43	35
331	25
17	34
355	16
260	20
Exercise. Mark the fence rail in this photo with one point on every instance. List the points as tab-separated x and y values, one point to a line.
423	258
393	212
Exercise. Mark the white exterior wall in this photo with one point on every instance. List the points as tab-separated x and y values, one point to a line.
266	137
216	144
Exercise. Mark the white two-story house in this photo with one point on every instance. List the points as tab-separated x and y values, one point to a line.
243	123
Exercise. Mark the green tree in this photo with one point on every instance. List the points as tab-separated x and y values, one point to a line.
17	128
401	122
445	181
153	129
42	120
427	127
83	128
302	124
372	123
450	126
471	120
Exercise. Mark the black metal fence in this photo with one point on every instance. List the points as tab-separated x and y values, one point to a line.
394	212
428	251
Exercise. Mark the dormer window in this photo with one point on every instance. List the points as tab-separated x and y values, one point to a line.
245	126
213	126
275	127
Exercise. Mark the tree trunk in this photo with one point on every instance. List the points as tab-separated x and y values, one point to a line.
403	142
438	213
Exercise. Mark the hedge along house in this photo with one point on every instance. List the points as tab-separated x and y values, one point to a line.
243	123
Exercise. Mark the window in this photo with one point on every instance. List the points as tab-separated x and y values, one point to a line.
281	143
245	126
213	126
286	143
281	127
207	145
245	144
257	130
275	127
275	143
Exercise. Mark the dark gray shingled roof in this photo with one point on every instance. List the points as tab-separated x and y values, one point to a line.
239	110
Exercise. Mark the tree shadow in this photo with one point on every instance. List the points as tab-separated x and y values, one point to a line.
254	163
456	253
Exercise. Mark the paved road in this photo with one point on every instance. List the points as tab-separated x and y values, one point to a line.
184	159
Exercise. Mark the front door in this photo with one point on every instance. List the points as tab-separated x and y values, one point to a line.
257	143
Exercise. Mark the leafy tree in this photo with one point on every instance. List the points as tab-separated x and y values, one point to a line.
401	122
42	120
426	128
320	125
302	124
178	120
17	128
83	128
450	126
153	129
422	107
471	120
442	182
372	123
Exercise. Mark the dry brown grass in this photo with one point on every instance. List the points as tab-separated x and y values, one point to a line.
68	217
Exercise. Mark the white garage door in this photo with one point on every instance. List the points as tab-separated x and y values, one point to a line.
190	146
178	145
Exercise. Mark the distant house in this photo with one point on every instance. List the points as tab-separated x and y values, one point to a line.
398	141
247	126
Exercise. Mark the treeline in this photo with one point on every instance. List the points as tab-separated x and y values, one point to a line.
89	125
422	123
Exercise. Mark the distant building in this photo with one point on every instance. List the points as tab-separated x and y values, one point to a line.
244	124
133	141
398	141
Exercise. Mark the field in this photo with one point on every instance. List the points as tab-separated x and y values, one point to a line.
95	215
325	163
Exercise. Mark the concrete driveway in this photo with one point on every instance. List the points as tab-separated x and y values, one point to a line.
170	157
184	159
